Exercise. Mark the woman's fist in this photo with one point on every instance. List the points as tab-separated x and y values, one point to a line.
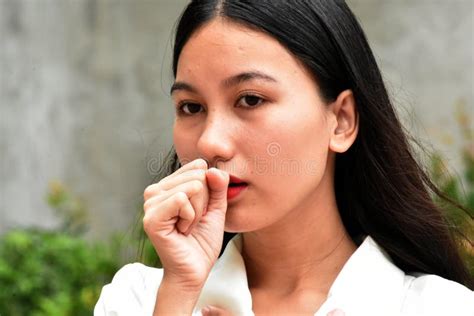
184	220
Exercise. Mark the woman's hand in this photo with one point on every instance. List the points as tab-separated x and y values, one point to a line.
184	220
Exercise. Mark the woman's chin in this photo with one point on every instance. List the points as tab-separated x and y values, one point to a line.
236	223
241	223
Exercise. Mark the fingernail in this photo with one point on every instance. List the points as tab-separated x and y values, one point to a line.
199	161
206	310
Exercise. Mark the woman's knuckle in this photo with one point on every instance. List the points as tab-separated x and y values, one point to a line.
146	222
197	185
180	198
146	205
148	192
152	191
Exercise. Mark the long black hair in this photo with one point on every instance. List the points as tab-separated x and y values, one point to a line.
381	190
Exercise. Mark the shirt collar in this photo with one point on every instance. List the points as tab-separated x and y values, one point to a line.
227	285
368	284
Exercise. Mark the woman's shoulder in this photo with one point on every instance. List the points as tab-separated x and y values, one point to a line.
133	289
429	294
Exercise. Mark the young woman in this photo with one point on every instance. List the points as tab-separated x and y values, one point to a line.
285	136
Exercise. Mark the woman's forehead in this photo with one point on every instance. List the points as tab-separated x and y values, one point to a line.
226	47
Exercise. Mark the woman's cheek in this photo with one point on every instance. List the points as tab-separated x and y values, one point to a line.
184	145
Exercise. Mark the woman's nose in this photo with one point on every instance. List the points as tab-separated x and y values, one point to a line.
216	141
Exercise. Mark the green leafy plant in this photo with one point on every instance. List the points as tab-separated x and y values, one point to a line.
460	189
69	208
46	272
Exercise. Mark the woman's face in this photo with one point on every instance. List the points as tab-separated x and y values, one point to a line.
251	109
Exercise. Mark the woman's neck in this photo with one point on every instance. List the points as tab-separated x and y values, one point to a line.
306	251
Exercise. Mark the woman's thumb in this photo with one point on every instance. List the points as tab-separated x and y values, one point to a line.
218	182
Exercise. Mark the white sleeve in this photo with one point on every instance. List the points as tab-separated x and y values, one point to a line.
433	295
132	292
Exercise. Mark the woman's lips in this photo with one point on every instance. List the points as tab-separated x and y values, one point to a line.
235	179
235	190
236	187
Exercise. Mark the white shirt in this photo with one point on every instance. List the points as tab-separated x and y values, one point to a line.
368	284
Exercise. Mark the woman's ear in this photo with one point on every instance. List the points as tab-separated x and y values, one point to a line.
346	122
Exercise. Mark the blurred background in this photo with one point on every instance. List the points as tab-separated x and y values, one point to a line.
86	121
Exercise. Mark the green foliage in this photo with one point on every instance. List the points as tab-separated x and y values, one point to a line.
51	273
460	189
54	272
68	207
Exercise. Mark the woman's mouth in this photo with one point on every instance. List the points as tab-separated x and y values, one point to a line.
235	189
236	186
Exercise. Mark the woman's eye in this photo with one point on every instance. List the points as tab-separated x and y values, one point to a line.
193	108
248	101
251	100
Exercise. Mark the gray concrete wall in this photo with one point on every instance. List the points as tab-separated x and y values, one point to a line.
83	94
425	49
83	101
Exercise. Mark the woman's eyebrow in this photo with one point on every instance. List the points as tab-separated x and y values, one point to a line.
183	86
226	83
247	76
